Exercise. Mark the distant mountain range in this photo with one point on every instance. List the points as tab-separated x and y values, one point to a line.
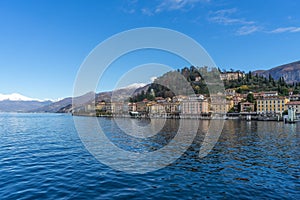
21	106
65	105
290	72
66	102
17	97
19	103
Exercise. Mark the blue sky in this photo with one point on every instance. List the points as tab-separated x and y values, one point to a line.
43	43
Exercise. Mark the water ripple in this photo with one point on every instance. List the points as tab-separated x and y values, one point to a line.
42	157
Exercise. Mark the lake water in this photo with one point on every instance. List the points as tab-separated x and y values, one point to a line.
42	157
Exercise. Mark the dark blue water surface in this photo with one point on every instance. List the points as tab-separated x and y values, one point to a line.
42	157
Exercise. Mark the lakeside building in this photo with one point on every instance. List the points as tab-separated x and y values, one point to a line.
118	108
172	108
160	99
142	107
220	103
247	107
131	107
237	99
165	109
263	94
157	109
179	98
269	93
295	105
295	97
268	103
194	107
100	106
272	105
221	107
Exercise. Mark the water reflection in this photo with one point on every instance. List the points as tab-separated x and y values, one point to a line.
256	160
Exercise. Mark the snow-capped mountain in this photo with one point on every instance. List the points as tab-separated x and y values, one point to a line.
133	86
19	103
16	97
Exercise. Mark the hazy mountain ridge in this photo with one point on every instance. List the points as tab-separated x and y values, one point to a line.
65	105
21	106
59	105
290	72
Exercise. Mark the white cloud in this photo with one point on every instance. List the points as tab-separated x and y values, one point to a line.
286	29
177	4
224	17
161	6
146	11
246	30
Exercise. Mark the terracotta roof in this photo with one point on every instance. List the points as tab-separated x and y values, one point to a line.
272	98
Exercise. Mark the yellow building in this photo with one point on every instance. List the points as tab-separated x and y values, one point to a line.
221	107
131	107
141	107
100	106
194	107
164	108
157	109
272	105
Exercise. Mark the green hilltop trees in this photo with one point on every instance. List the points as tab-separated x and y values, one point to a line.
196	78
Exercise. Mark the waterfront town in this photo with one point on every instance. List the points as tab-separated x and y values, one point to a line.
264	105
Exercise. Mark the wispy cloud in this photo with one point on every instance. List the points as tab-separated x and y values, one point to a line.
228	17
129	6
147	11
286	29
159	6
246	30
225	17
169	5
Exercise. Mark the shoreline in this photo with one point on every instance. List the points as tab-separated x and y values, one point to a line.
198	117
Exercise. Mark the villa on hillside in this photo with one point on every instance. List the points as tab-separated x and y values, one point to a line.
231	76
